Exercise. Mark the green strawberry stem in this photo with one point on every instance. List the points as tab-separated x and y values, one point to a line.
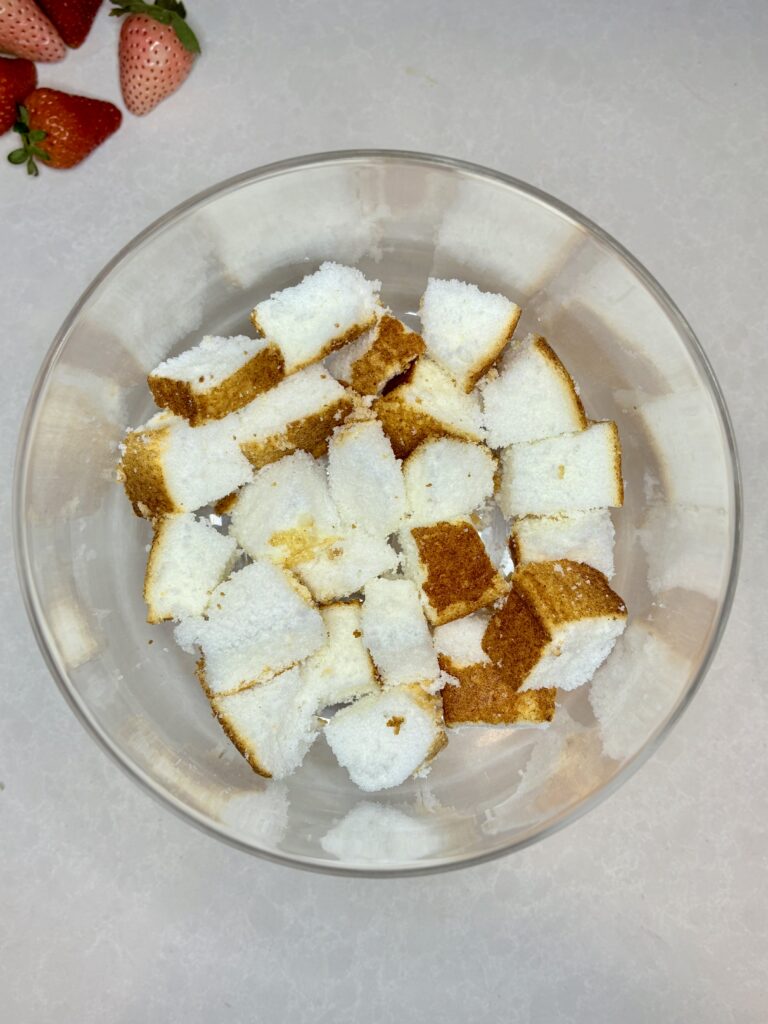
167	12
29	149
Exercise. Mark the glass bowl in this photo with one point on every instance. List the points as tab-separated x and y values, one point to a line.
400	217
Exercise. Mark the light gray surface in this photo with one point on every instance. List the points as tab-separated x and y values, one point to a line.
653	122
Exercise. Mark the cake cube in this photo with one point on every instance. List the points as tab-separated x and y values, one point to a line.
187	560
257	623
344	567
483	696
397	635
449	564
382	353
384	739
446	478
558	625
168	466
342	670
569	473
271	724
366	479
216	377
300	413
466	330
532	397
461	640
326	310
428	403
578	536
286	513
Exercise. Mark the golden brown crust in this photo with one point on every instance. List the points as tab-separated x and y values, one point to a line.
497	476
159	527
392	352
440	741
492	357
514	548
238	741
200	673
543	596
259	374
433	705
225	505
565	591
460	577
485	697
211	694
405	426
351	334
617	464
310	434
141	470
552	358
515	638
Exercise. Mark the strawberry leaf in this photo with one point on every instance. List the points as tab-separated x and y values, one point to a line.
166	12
29	150
187	37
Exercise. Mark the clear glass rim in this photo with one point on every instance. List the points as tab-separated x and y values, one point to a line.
37	618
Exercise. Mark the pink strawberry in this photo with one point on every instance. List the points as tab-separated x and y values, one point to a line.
26	32
157	51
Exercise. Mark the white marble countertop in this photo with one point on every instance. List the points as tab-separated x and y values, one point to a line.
650	118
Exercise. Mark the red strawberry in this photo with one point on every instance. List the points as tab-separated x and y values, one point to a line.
157	50
26	32
73	18
61	129
17	79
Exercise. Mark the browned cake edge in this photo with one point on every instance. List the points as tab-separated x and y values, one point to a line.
433	705
225	505
141	471
459	575
516	637
407	427
484	698
310	434
262	372
554	360
491	358
238	741
563	591
392	352
351	334
157	539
